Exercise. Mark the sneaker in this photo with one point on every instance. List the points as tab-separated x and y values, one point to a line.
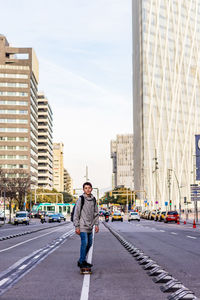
78	263
89	265
83	264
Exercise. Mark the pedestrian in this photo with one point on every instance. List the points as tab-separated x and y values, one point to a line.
86	216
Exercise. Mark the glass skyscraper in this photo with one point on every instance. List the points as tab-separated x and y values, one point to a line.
166	97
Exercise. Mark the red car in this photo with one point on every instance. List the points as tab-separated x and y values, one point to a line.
171	216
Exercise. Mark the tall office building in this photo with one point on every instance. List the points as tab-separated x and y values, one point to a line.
45	143
68	184
18	109
58	167
122	157
166	97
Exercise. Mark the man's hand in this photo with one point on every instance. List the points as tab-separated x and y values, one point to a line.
78	231
96	228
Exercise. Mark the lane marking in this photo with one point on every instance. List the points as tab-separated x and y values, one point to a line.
16	275
191	237
22	267
162	230
4	280
86	279
173	233
37	237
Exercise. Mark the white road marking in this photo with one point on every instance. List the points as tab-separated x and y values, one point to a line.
191	237
36	256
4	280
22	267
37	237
162	230
173	233
86	279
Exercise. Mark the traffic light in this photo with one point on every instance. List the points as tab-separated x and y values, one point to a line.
170	202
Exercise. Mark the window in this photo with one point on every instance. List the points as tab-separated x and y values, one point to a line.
13	112
7	75
16	94
6	102
14	84
13	129
21	139
11	121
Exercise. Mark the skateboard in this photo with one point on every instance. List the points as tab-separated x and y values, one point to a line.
85	271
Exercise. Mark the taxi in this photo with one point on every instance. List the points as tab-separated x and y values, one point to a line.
162	216
117	216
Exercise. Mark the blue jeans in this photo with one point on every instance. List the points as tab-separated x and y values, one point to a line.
86	243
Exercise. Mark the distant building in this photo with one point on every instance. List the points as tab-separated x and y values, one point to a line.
45	143
68	184
19	75
58	167
122	157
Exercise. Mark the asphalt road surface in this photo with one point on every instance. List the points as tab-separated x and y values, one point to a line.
43	265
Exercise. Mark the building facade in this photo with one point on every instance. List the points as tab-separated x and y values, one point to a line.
68	184
45	143
58	167
166	97
19	75
122	158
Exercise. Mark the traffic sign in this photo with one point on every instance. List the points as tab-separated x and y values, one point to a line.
166	203
156	202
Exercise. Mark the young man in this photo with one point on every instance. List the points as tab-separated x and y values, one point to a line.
85	219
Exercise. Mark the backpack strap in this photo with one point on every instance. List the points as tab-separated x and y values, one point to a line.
95	201
82	202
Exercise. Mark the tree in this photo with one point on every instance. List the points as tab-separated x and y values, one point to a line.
22	186
115	197
67	198
15	184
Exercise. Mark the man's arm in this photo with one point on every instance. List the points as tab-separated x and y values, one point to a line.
96	218
77	214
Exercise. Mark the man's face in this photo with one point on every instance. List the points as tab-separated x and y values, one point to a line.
87	190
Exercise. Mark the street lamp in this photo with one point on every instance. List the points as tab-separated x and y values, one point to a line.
179	189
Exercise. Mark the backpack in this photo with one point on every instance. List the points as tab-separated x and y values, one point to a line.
82	203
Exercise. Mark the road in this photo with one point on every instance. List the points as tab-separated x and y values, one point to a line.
42	265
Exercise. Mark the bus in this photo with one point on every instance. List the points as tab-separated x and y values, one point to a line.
63	208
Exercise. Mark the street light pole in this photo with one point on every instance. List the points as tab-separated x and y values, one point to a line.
4	203
179	189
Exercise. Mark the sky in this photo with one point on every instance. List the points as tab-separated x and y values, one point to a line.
84	48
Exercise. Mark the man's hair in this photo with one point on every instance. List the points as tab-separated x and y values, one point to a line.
87	183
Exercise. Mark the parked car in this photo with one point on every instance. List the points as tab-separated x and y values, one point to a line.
152	214
133	216
54	218
117	216
2	216
21	217
157	215
62	217
171	216
162	216
145	214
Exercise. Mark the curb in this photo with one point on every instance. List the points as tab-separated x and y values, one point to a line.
29	232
